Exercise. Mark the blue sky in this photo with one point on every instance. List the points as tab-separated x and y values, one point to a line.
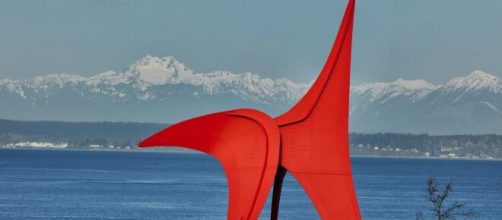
430	39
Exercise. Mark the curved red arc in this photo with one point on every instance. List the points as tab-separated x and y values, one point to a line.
265	161
248	182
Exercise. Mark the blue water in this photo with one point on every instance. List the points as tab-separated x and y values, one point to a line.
50	184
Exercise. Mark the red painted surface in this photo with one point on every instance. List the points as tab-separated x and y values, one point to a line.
315	133
310	141
245	141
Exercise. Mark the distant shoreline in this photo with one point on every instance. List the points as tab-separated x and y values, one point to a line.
426	158
186	151
146	150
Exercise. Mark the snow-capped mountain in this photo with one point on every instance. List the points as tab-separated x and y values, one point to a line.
151	89
384	91
142	79
165	90
463	105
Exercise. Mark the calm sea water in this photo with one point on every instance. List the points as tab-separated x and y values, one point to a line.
50	184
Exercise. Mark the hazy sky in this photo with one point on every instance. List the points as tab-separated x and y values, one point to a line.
430	39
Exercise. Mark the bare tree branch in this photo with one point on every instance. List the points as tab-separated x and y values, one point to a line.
438	197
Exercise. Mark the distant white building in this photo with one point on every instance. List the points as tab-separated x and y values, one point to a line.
41	144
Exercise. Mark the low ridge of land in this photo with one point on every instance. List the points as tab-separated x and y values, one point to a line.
126	135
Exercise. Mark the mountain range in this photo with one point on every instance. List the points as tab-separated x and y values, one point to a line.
155	89
470	104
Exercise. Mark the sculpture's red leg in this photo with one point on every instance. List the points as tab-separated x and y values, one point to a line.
246	142
276	195
314	133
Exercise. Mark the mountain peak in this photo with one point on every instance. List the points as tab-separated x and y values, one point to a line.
152	60
152	70
481	74
477	80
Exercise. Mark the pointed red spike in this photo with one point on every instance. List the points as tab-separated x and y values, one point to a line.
246	142
306	105
314	133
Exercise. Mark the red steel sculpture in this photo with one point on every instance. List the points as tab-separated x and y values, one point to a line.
310	141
